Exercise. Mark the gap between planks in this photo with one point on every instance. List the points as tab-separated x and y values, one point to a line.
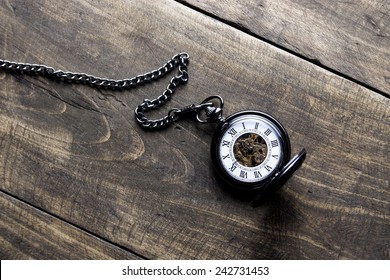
315	62
85	231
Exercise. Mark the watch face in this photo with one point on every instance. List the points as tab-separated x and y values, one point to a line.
250	147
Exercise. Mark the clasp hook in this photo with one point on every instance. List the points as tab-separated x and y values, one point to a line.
208	111
176	113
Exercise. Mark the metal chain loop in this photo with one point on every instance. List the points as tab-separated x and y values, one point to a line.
179	61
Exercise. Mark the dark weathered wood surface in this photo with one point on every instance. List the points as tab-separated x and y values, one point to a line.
28	233
349	37
76	153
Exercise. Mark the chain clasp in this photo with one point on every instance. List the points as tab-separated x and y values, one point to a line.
211	113
208	111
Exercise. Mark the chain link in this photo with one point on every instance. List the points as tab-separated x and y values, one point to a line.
179	61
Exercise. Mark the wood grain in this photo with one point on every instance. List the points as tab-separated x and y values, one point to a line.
350	37
77	152
28	233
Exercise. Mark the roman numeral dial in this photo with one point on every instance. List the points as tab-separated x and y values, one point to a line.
249	148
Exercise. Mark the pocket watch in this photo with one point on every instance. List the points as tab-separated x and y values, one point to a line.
251	152
250	149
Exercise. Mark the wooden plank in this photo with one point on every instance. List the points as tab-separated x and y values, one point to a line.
77	152
350	37
28	233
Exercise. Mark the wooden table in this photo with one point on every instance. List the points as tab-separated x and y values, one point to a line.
81	180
